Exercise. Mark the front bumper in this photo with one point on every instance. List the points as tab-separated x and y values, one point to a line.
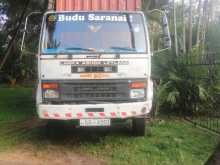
110	111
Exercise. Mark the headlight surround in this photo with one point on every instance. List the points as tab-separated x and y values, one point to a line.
108	69
51	94
137	93
81	69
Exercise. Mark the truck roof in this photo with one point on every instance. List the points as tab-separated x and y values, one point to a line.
98	5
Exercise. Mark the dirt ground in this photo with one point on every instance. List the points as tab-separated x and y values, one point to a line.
26	155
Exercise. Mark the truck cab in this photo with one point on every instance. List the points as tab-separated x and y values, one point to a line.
94	64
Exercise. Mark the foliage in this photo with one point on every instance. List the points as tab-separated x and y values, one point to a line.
17	67
183	84
16	104
178	90
213	36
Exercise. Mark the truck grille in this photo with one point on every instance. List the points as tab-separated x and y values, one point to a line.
94	91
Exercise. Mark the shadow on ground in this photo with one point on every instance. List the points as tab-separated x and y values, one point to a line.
62	132
215	158
66	134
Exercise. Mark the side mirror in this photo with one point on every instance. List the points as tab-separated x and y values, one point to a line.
25	27
164	38
166	33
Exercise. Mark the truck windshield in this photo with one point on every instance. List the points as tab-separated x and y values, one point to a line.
100	32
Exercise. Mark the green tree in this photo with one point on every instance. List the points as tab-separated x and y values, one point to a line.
10	62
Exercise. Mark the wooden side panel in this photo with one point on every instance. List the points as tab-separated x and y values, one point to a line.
138	5
98	5
105	4
131	5
87	5
60	5
78	5
69	5
122	4
113	5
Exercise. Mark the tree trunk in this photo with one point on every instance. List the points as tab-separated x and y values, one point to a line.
190	26
204	26
175	30
51	4
147	6
184	27
199	23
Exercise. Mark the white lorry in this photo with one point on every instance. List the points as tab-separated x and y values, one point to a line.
94	64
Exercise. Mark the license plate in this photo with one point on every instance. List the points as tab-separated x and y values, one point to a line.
95	122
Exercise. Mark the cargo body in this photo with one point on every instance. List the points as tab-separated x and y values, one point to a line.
94	63
98	5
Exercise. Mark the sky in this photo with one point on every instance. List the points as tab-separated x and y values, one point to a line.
3	20
3	17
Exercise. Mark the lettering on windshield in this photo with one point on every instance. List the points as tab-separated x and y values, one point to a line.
92	17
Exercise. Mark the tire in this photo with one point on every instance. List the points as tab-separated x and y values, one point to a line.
138	126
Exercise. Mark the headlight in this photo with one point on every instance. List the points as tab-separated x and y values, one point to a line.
108	69
51	94
137	93
81	69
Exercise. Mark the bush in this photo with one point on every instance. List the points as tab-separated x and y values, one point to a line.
177	90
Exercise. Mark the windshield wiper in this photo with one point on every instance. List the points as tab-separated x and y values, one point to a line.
83	49
123	48
67	50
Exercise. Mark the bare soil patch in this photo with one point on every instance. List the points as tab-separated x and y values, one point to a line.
26	155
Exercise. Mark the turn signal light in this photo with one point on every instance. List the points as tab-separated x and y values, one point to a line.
137	85
50	86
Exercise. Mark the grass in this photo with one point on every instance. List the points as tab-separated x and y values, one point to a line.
169	142
15	104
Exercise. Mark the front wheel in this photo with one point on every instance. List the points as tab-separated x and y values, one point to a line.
138	126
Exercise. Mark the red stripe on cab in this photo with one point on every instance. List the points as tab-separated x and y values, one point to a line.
79	115
46	114
56	115
113	114
102	114
90	114
68	115
123	114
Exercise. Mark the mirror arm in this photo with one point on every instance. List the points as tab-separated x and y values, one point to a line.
166	32
158	10
162	50
25	27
